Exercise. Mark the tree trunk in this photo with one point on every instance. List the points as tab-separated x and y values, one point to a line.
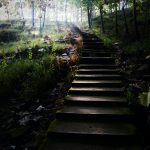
119	5
146	23
44	18
33	22
66	10
135	20
89	17
116	18
81	15
102	20
21	9
45	11
125	19
8	16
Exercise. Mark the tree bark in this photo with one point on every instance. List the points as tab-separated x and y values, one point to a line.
44	15
125	20
102	20
81	15
33	22
116	18
22	9
44	18
89	17
66	10
135	20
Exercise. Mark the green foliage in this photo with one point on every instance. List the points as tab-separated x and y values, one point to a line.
30	54
27	79
131	98
108	40
143	99
136	48
8	35
20	45
57	46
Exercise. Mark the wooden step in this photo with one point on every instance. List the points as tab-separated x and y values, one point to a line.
91	42
97	71
97	60
95	53
95	100
97	66
93	130
94	91
61	143
97	83
95	113
98	77
92	46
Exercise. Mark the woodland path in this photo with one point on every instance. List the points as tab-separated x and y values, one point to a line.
95	114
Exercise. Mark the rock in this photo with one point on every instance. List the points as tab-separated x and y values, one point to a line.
37	118
144	68
13	146
41	50
24	121
40	108
147	57
64	54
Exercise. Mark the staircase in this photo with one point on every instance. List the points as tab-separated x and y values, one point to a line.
96	115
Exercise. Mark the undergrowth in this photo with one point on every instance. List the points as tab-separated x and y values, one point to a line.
27	79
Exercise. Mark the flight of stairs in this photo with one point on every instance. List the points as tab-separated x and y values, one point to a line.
95	115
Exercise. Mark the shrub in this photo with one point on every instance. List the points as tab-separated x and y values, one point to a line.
57	46
9	35
26	79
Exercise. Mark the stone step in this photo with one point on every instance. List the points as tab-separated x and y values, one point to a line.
61	143
97	66
95	113
98	77
94	91
94	54
93	46
97	71
97	83
95	100
92	39
146	77
93	130
104	50
93	43
98	50
97	60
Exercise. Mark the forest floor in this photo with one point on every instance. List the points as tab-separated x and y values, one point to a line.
24	124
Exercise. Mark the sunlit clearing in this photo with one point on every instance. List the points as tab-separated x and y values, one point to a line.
41	13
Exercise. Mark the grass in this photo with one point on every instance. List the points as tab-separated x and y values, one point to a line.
19	45
27	79
130	47
28	42
58	46
107	39
56	35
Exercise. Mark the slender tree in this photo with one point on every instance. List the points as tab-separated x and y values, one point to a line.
125	18
135	20
88	5
116	16
21	7
100	5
